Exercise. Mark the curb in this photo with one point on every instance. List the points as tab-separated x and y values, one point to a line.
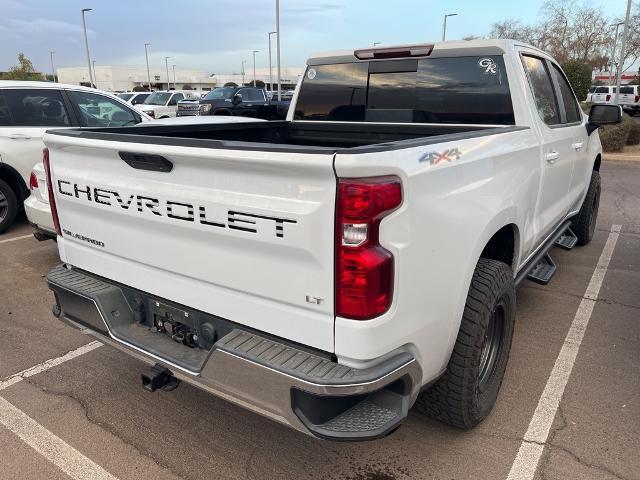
621	157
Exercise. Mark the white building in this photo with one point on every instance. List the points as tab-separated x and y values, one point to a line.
113	78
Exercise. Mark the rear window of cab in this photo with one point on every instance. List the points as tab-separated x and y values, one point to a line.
453	90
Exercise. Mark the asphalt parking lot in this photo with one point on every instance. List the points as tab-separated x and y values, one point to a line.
88	417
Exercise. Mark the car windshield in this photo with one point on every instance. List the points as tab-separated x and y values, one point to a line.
125	96
158	98
220	93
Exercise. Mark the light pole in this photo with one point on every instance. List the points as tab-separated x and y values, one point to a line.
95	77
166	64
376	43
622	51
86	43
53	69
254	67
613	52
243	62
270	71
174	78
278	47
146	55
444	25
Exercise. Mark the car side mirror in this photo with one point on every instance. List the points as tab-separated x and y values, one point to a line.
602	114
237	98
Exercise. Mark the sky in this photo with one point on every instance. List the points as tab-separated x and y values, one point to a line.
216	35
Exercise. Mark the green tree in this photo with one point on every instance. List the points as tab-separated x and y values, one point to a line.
23	71
579	76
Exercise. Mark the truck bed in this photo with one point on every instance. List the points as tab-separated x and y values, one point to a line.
291	135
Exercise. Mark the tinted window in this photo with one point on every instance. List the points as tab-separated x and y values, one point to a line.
256	95
334	92
176	98
602	90
5	117
37	108
101	111
139	98
542	90
125	96
627	90
433	90
157	98
571	107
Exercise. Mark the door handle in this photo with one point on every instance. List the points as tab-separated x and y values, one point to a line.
551	157
578	146
19	136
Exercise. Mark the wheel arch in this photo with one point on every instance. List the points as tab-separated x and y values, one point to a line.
11	176
597	162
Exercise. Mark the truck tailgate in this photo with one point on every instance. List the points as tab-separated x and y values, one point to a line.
241	234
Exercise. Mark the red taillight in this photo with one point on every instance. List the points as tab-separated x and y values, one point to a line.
637	99
608	97
52	199
364	269
33	181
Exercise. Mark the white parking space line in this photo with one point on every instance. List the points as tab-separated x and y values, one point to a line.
15	239
44	366
532	446
53	448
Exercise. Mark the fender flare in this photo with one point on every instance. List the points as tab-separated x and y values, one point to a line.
15	180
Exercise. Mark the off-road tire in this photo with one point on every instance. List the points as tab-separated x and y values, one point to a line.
466	393
584	224
8	206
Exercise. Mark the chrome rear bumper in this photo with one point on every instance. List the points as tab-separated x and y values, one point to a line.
304	389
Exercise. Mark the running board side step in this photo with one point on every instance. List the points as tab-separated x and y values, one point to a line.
541	268
543	271
567	240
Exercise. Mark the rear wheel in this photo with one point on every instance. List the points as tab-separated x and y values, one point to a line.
584	225
8	206
467	391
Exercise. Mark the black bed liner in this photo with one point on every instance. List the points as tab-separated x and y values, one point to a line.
296	136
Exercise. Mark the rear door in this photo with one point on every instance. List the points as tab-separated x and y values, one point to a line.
627	95
557	151
601	95
28	113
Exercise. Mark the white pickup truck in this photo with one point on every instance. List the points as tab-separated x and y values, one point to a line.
334	269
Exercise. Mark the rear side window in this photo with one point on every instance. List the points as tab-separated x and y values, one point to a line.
433	90
101	111
36	108
5	117
542	90
140	98
602	90
571	107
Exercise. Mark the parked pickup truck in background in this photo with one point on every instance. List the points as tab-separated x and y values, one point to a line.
334	269
164	104
240	101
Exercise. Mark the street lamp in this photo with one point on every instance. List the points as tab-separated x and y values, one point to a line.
254	67
613	53
174	78
243	62
86	43
278	47
166	64
376	43
625	31
270	71
444	25
53	69
95	77
146	55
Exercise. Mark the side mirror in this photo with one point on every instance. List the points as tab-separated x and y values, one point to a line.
602	114
237	98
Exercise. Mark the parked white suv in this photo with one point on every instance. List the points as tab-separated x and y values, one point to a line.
27	110
603	94
629	98
164	104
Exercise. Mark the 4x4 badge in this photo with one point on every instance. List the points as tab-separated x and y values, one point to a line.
435	158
